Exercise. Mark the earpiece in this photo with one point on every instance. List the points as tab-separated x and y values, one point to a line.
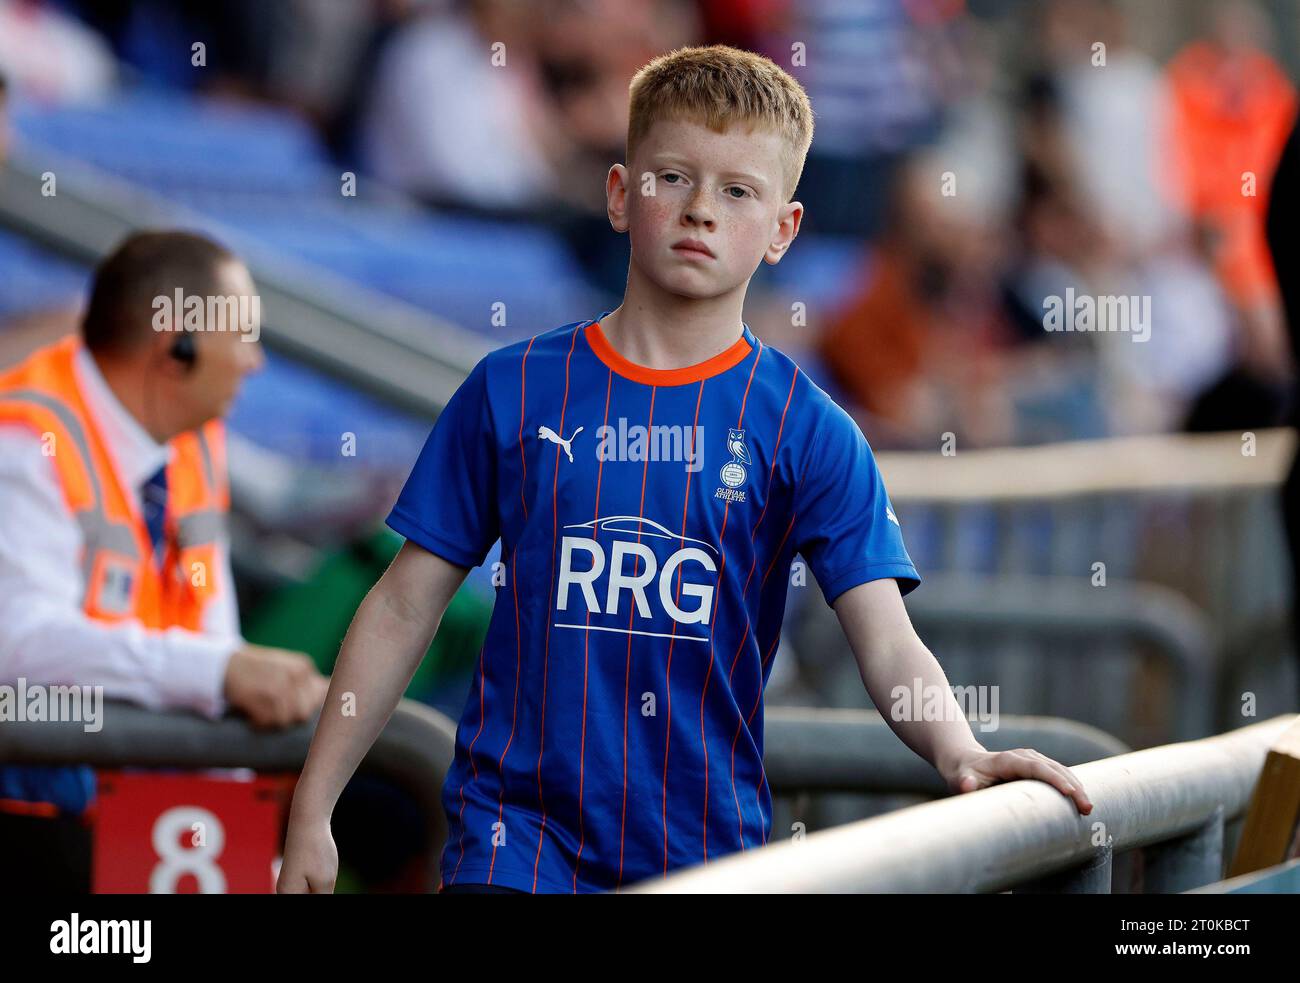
183	349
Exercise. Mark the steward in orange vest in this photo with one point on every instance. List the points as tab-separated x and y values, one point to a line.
152	553
122	578
164	336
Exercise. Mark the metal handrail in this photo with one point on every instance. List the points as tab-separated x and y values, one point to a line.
1175	798
414	751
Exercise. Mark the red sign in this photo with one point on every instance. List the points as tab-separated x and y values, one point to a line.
206	833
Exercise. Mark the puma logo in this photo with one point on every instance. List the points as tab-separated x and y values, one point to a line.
546	433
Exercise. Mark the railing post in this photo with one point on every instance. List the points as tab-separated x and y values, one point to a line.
1091	878
1189	861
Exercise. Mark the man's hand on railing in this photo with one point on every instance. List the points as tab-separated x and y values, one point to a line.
979	768
274	687
311	860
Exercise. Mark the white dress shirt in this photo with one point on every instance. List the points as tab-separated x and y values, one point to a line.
45	636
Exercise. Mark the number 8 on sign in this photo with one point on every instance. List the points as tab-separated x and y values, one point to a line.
177	860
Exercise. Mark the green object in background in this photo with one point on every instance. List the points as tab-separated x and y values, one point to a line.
313	616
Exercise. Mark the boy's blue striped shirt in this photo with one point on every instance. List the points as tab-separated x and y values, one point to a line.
614	726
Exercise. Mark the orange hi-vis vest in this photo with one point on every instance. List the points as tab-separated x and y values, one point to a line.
121	576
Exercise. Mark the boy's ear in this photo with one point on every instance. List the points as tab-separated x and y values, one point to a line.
787	227
616	191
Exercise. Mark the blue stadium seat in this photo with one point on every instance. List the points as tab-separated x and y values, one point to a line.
35	279
301	413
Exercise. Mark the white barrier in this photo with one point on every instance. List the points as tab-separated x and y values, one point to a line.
1016	833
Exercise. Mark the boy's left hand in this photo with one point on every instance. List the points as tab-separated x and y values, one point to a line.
980	768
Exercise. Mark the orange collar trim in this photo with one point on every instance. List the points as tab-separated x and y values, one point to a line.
721	362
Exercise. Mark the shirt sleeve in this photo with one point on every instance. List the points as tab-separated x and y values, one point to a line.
449	503
46	637
844	525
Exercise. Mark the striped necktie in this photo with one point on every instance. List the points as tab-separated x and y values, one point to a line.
154	500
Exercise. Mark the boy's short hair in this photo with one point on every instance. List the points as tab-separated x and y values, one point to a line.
717	86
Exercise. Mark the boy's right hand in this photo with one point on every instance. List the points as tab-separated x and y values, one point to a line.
274	687
311	860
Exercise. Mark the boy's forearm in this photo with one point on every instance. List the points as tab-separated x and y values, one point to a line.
383	647
890	655
898	671
911	666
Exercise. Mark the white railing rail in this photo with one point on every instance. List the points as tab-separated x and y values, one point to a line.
1172	801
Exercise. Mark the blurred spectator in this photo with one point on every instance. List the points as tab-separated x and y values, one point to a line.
871	69
1113	109
1232	108
747	24
503	106
1096	219
917	349
326	64
518	110
241	40
50	57
587	53
452	125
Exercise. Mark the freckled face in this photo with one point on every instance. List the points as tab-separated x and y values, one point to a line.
721	191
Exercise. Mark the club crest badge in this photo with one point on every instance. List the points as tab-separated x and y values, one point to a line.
733	473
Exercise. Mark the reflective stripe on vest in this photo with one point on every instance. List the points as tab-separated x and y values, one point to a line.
100	532
202	525
120	578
